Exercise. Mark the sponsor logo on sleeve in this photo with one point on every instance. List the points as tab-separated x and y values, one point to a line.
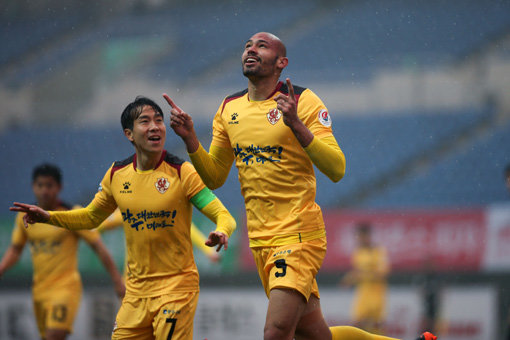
324	118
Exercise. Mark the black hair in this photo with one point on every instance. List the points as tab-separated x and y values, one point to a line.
363	228
47	169
507	170
134	109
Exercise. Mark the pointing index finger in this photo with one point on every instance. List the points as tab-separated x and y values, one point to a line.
171	102
291	89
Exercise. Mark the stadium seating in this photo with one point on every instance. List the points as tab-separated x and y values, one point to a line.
471	177
410	34
360	37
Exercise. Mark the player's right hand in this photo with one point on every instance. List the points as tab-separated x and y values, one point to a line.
218	239
33	213
180	121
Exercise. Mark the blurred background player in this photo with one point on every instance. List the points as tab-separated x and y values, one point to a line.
198	239
57	286
155	192
275	143
370	268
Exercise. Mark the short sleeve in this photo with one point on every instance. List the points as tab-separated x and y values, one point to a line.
220	136
314	114
19	234
191	181
104	199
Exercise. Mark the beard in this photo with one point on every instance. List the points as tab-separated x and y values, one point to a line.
260	69
251	72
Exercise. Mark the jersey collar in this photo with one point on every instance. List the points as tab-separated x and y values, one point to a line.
163	155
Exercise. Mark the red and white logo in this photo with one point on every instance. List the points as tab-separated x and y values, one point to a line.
274	116
324	118
162	185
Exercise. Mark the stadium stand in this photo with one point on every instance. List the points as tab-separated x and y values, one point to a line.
472	176
371	34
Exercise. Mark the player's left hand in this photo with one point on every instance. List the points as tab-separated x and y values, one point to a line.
217	238
33	213
288	106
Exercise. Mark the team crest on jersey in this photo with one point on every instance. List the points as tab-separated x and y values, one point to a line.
162	185
274	116
325	118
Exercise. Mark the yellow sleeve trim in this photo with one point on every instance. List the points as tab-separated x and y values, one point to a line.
327	157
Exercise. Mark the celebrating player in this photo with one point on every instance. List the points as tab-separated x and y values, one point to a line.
57	285
276	132
370	270
155	192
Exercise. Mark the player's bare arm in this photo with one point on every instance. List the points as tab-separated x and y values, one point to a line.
217	238
182	124
33	213
105	257
10	258
288	106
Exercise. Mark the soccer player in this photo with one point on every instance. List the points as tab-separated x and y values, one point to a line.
57	287
276	133
370	270
155	192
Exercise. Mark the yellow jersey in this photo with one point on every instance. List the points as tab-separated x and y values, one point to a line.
372	264
54	254
276	175
156	213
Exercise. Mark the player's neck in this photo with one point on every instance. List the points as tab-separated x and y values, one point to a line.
49	205
261	88
147	161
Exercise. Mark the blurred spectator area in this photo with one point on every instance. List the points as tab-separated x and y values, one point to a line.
417	90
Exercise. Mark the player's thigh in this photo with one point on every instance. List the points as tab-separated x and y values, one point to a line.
284	311
133	320
311	324
173	315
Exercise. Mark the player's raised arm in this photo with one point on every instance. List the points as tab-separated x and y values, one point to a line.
212	166
182	124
